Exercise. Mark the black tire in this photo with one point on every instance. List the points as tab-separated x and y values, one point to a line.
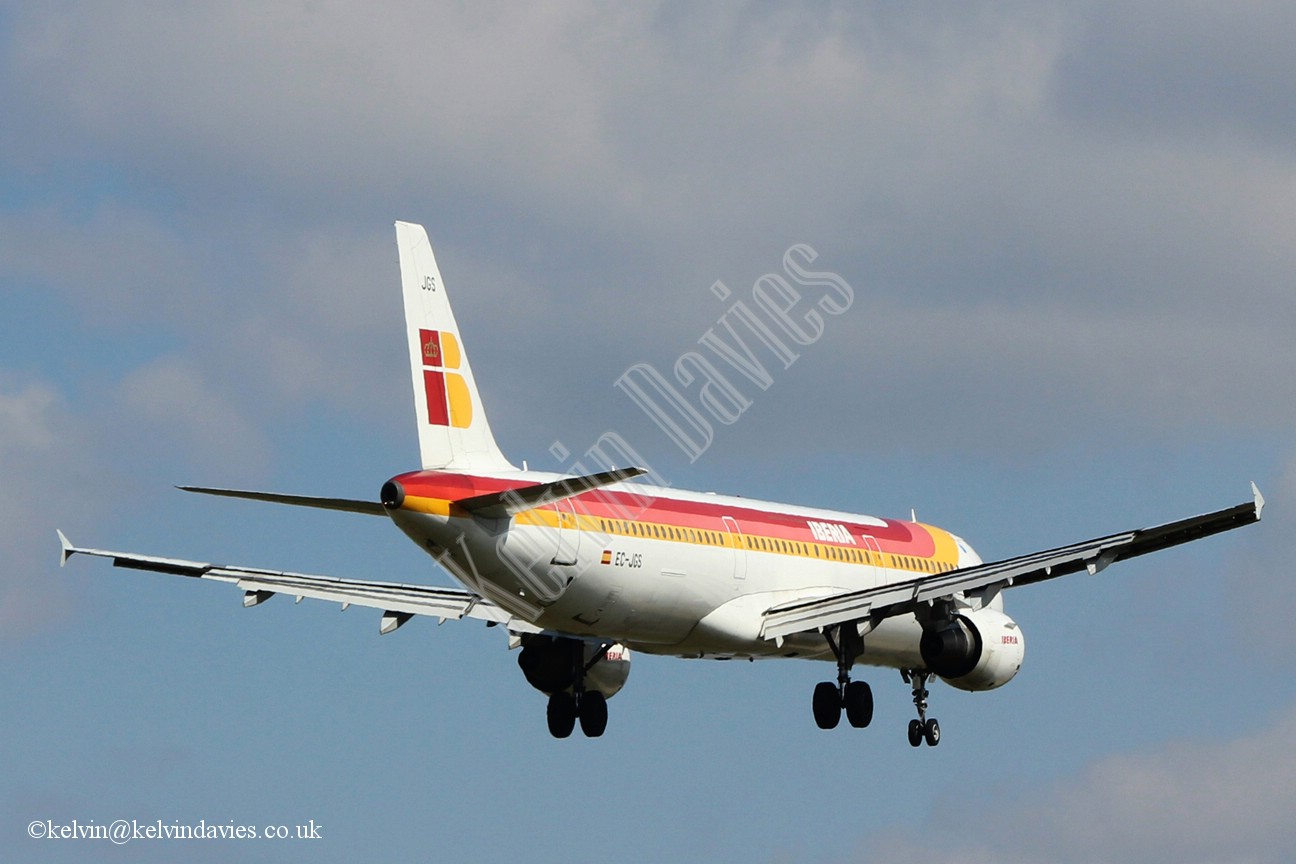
931	732
859	704
561	714
827	705
915	732
593	713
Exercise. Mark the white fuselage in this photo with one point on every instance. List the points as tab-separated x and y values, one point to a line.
680	573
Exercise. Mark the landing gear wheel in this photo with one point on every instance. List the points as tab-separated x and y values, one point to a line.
859	704
827	705
915	733
846	642
561	714
930	732
593	713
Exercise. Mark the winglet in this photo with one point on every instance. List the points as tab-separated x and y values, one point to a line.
1259	499
68	548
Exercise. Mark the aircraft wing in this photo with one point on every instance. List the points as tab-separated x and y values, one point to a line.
898	598
398	602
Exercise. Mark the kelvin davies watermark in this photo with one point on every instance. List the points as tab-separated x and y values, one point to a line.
124	831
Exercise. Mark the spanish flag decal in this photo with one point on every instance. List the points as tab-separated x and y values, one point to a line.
448	403
607	556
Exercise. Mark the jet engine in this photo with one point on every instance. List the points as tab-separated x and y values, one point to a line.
976	650
553	664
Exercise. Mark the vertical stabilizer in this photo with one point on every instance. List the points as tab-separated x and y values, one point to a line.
453	432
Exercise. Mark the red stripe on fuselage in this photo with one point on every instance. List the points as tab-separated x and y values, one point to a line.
904	538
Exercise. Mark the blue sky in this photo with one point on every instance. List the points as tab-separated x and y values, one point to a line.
1069	230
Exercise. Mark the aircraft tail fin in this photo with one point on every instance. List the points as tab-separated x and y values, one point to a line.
453	431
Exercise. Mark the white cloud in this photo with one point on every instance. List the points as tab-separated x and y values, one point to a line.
25	421
1189	802
186	417
42	461
329	330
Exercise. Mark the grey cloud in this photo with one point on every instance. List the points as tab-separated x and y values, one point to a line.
597	165
558	110
1261	587
115	265
1196	70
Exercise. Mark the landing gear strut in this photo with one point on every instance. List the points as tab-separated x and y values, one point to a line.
855	697
924	728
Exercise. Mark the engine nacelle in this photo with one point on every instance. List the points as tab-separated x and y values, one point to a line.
551	664
978	650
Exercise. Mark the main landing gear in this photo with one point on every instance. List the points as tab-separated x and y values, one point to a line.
568	705
924	728
855	698
589	706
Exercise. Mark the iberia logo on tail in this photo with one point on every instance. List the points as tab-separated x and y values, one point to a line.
448	402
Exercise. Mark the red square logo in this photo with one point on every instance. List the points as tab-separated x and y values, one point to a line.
430	344
434	388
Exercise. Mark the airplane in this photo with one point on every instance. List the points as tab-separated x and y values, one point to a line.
581	570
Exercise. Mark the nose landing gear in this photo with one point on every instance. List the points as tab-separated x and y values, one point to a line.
924	728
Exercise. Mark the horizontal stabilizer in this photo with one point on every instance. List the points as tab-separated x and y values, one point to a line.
372	508
498	505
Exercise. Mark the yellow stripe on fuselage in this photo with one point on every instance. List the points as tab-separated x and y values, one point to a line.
946	546
944	556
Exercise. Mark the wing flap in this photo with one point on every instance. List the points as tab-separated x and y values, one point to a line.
1092	555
